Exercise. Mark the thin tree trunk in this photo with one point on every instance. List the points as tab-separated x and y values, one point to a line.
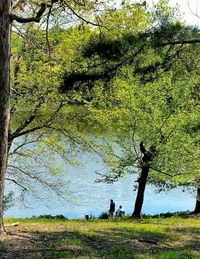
5	32
197	207
140	193
142	181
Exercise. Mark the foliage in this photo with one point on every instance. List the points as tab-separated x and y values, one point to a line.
148	98
59	217
22	12
138	89
8	200
157	114
181	214
45	128
104	215
141	91
108	46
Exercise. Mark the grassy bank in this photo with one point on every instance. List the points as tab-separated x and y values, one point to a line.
149	238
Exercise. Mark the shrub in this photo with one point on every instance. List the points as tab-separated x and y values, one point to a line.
104	215
182	214
49	217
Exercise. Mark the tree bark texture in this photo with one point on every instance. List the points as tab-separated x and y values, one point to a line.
5	33
197	207
140	193
146	159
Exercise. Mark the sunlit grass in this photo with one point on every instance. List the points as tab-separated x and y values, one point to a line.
146	238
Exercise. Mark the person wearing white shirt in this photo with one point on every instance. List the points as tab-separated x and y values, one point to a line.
120	211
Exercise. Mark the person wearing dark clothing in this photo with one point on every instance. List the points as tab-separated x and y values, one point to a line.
112	209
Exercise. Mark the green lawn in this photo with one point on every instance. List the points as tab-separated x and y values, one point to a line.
150	238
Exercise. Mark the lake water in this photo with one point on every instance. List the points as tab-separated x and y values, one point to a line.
93	198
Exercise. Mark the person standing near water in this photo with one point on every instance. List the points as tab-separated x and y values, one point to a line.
112	209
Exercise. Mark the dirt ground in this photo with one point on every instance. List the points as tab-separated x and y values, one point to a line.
85	240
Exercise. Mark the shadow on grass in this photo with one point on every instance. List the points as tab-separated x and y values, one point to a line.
130	233
106	243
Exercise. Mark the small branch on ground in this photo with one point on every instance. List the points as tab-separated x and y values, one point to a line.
12	224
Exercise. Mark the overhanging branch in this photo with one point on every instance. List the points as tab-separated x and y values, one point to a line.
15	182
178	42
82	18
37	18
159	171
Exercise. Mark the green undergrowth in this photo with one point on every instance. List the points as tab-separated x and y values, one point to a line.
159	238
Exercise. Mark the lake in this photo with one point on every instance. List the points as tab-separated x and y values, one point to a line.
88	197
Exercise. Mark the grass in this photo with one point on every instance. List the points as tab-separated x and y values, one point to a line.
171	238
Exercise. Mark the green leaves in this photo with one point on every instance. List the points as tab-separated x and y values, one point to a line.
124	81
150	98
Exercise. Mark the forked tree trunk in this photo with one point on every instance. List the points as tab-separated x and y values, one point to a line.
140	193
5	32
197	207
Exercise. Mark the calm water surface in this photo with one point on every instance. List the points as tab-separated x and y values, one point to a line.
93	198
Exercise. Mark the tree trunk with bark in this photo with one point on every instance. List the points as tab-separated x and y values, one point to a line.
140	193
5	32
146	159
197	207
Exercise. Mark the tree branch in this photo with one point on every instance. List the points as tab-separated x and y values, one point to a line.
21	130
159	171
25	143
37	18
178	42
82	18
15	182
26	123
47	30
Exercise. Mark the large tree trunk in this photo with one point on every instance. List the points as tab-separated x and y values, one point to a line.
140	193
197	207
5	31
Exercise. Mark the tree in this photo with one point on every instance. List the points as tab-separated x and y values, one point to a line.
44	125
197	206
10	13
150	135
157	57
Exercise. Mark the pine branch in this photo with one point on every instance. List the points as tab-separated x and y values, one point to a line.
180	42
